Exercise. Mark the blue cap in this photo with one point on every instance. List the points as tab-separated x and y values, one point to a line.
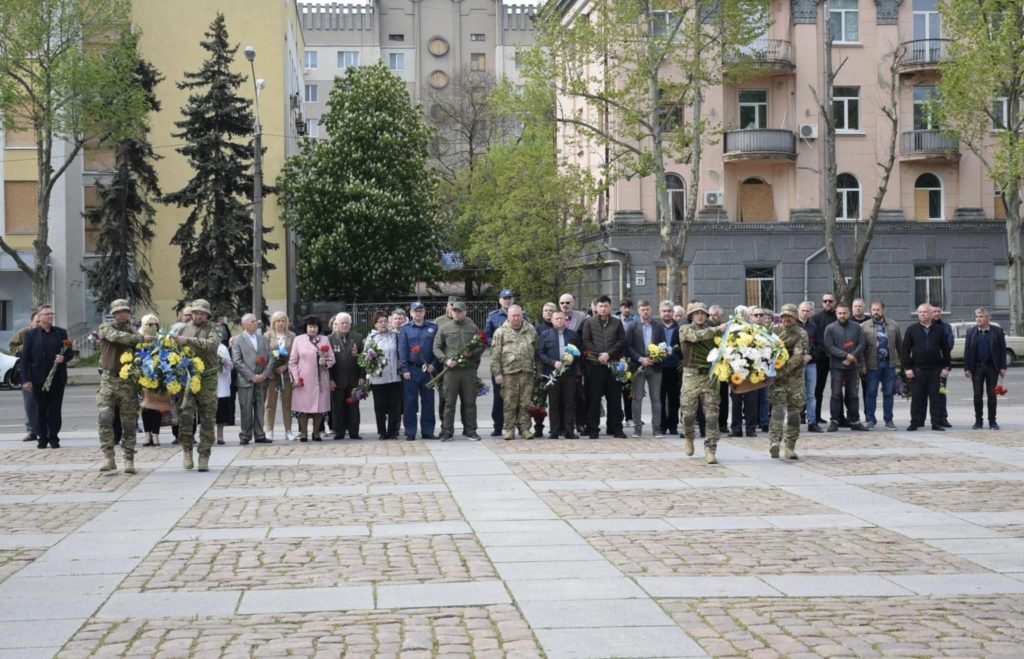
506	292
416	305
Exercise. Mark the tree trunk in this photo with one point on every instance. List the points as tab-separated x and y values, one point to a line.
41	289
1015	259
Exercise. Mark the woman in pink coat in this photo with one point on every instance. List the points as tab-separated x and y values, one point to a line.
308	364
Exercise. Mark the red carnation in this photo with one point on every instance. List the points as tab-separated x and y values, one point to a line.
302	382
325	348
261	361
68	343
417	349
848	345
349	401
1000	390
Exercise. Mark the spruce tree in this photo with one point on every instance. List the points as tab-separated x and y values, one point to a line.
216	238
125	216
361	201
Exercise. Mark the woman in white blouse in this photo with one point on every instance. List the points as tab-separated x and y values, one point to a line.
386	383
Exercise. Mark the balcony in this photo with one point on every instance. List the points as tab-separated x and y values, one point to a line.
759	144
928	145
766	53
923	54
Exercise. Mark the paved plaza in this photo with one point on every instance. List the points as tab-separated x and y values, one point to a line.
874	545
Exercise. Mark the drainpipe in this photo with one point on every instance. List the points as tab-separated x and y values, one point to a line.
622	270
807	265
622	267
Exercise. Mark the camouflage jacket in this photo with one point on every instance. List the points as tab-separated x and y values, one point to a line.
514	350
116	340
795	340
204	339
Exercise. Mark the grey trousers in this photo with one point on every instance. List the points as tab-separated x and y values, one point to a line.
29	402
252	400
649	379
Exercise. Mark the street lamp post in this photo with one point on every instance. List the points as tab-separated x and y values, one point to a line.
257	194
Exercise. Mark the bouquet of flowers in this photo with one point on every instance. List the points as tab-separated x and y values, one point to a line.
620	369
482	388
359	393
321	367
477	343
902	387
164	367
999	389
746	355
569	356
280	356
65	346
372	359
657	353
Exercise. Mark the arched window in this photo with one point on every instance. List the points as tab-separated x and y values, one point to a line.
676	196
847	197
928	197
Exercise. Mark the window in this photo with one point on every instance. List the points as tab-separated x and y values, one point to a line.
684	286
20	213
91	202
761	287
438	46
846	102
396	61
519	61
922	117
847	197
928	285
438	79
844	16
347	58
6	315
312	93
926	20
15	138
477	36
1001	283
753	108
478	62
999	206
396	37
676	196
313	128
311	59
1000	113
670	112
928	197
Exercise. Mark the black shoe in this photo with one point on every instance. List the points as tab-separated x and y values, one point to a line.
263	440
174	442
703	435
764	428
245	442
978	425
813	427
42	444
593	435
31	437
911	428
736	433
938	427
317	438
553	435
858	426
833	427
428	435
55	442
992	425
723	429
220	442
446	437
569	435
496	432
356	437
619	435
410	438
945	423
473	436
303	439
843	423
751	432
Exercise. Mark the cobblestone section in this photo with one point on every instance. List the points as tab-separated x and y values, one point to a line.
809	442
331	449
584	446
863	627
1007	438
58	481
855	465
541	470
1012	530
72	455
321	511
47	518
309	563
12	560
487	632
975	496
731	553
690	502
403	473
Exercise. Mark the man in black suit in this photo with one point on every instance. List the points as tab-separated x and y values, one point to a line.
604	338
44	347
926	360
562	394
985	363
947	331
641	333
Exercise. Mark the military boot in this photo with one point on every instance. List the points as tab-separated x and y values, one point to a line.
186	460
709	455
688	445
773	449
129	465
790	453
204	463
109	465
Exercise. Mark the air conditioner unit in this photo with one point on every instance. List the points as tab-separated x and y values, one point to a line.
294	99
808	131
714	198
300	125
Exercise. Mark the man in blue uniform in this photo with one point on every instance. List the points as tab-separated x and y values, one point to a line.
417	364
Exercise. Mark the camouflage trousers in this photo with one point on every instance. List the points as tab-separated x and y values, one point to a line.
699	388
787	397
203	404
117	394
517	396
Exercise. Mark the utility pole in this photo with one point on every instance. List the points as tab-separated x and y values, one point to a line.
257	194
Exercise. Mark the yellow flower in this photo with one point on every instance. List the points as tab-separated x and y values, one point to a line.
736	378
145	382
174	359
196	385
200	366
168	342
127	357
156	360
174	388
187	351
126	371
718	340
744	340
757	378
779	363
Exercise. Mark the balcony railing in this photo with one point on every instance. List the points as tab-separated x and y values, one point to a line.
767	52
760	143
924	53
929	143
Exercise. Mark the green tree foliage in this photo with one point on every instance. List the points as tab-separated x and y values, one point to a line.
125	215
362	201
216	238
522	211
64	93
982	88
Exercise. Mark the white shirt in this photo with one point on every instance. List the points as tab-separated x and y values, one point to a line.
224	377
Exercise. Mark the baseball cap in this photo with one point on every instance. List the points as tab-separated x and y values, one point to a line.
459	306
416	305
506	292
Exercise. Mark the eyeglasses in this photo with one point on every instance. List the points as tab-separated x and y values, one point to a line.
828	301
565	302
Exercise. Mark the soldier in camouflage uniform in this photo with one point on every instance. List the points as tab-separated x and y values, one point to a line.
203	337
696	339
116	339
513	365
787	393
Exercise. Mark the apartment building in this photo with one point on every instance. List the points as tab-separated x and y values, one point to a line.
760	238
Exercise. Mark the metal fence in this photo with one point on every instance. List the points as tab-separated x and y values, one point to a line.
362	312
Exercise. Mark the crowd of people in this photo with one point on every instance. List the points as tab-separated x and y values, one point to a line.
318	376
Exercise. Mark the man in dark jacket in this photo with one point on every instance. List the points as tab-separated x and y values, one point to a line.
823	319
562	393
346	375
926	359
814	339
44	347
604	337
947	331
844	343
671	382
985	363
645	331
